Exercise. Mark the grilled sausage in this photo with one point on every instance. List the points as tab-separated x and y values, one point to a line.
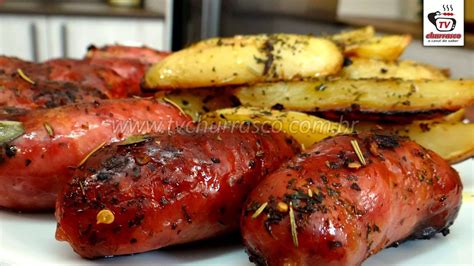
344	211
130	70
84	73
35	165
143	54
168	189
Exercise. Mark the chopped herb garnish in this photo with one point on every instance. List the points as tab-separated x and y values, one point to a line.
259	210
49	129
357	150
167	100
294	233
82	188
321	87
24	76
91	153
134	139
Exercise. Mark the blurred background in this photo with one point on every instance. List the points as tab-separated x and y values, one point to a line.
38	30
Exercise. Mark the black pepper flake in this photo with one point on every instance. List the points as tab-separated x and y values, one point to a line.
291	183
332	192
352	178
355	187
164	201
321	87
103	176
174	226
133	241
445	231
324	178
386	141
215	160
186	215
278	107
375	228
443	198
383	70
10	150
136	172
424	127
137	220
347	61
27	162
332	165
251	208
334	244
251	163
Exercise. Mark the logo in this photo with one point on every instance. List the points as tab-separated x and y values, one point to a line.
443	23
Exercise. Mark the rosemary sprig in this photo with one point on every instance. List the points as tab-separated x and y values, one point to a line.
24	76
259	210
91	153
357	150
134	139
82	188
294	233
167	100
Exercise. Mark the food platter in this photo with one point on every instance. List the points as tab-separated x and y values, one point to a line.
327	149
28	239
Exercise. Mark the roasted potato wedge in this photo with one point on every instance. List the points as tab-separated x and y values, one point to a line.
197	102
388	47
306	129
346	38
365	68
453	141
246	59
420	99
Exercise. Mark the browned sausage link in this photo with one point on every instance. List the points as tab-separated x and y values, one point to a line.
169	189
35	165
325	207
145	55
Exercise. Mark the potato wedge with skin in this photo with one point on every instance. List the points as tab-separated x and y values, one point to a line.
453	141
346	38
306	129
197	102
246	59
365	68
388	47
424	98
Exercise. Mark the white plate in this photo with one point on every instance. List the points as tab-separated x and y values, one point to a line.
28	239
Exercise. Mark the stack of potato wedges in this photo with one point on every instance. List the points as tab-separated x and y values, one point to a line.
313	87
